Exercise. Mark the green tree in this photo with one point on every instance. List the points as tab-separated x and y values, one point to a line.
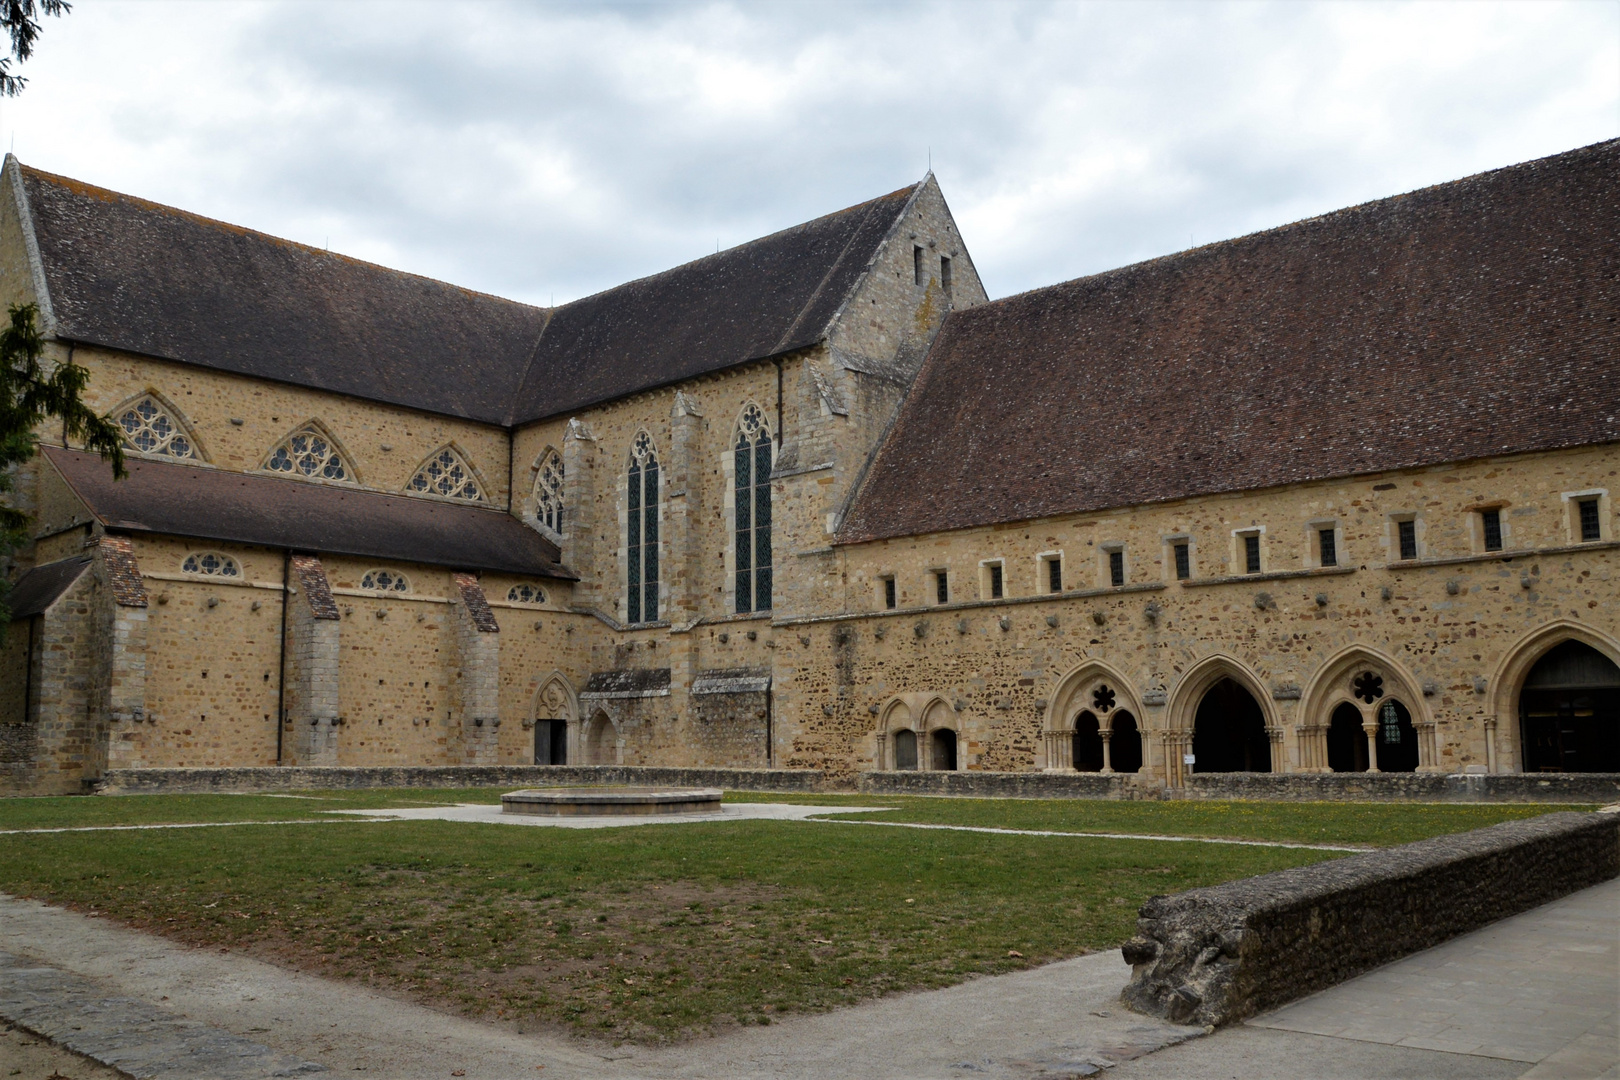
31	392
20	20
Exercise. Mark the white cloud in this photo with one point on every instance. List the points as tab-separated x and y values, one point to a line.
540	151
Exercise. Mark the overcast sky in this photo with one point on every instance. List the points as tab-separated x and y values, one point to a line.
544	151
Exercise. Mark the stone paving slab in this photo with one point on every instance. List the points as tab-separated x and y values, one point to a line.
129	1034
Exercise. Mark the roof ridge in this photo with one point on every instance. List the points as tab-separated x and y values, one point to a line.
36	265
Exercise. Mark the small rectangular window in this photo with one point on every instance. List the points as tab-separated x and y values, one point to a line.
1054	575
919	269
995	581
889	598
1491	529
1328	547
945	272
1183	562
1251	553
942	587
1407	531
1116	567
1591	524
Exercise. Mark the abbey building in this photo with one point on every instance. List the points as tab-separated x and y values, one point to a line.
1334	497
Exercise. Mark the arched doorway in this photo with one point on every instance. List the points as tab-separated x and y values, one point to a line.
1396	739
1229	731
1125	747
602	742
1088	756
944	743
1346	741
551	742
905	749
1569	711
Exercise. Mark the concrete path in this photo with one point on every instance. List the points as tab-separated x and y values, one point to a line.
1535	996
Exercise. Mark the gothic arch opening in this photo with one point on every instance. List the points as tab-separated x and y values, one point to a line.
1397	738
1569	711
1088	754
943	742
601	742
1229	731
905	749
1346	742
1125	748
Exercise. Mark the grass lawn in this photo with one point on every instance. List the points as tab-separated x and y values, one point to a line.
656	932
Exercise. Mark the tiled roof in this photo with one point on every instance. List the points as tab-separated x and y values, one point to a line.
134	275
1471	319
246	508
42	586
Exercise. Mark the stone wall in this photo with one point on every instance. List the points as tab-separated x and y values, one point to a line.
198	781
1218	955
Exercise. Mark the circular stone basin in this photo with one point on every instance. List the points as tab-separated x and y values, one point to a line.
602	801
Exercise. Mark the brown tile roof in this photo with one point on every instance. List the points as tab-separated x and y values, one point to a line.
1466	320
212	504
42	586
134	275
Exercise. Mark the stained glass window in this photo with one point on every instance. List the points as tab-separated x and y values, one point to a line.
211	564
526	594
309	452
148	429
445	473
548	492
385	581
641	532
751	451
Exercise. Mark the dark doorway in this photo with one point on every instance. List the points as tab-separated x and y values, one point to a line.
1125	748
1569	712
1396	739
1087	744
1229	732
1347	743
905	749
944	740
551	742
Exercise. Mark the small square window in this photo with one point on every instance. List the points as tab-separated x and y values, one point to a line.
1251	553
942	587
889	597
1183	562
919	268
1490	522
1407	532
1116	567
1054	575
1327	547
995	581
1591	524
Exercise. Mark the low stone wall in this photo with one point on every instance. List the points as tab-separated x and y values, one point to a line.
1218	955
1009	785
1598	788
198	781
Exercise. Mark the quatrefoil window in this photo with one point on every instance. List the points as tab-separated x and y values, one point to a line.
1369	687
385	581
446	474
1102	698
148	429
308	452
211	564
526	594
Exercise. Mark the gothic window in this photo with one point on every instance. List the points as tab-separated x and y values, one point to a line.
446	474
526	594
641	532
548	492
210	564
308	452
385	581
751	450
149	429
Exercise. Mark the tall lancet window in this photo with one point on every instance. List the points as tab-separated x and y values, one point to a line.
641	532
752	450
548	492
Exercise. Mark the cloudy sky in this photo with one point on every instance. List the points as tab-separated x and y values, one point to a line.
545	151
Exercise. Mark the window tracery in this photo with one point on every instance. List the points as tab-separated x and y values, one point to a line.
385	581
526	594
210	564
641	532
548	492
308	452
149	429
1369	687
751	450
448	475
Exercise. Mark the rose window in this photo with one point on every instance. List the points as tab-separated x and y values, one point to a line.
1102	698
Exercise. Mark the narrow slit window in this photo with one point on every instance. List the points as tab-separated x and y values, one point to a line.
942	587
1328	547
1116	567
1183	562
1591	524
1491	528
995	581
919	269
1407	532
641	533
1054	575
752	455
890	599
945	272
1251	553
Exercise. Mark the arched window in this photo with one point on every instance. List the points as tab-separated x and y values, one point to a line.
309	452
548	492
752	451
641	532
385	581
1125	747
210	564
525	594
1397	738
149	429
1088	752
446	474
1346	742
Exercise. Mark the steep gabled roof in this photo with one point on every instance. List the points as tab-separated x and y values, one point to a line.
1466	320
42	586
248	508
134	275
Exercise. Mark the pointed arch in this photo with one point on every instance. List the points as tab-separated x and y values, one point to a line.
548	491
1092	687
554	698
153	426
311	452
1363	678
1197	680
554	716
917	731
641	530
602	742
1504	737
447	473
751	464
